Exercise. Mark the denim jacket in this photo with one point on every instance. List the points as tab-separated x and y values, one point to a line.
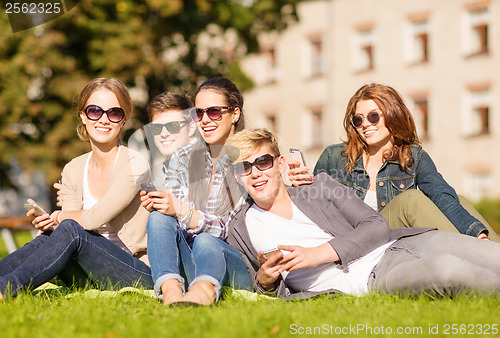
392	180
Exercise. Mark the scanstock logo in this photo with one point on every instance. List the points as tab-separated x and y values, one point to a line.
25	14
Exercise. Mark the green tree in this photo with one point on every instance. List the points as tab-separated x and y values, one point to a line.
151	45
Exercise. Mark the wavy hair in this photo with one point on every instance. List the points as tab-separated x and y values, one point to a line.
398	120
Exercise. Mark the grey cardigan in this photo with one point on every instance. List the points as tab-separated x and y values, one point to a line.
357	228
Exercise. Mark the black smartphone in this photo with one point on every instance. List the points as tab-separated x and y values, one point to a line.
148	187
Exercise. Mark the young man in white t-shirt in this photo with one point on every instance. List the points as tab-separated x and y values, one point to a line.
329	240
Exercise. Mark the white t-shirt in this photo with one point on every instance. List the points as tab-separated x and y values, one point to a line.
89	201
268	230
371	199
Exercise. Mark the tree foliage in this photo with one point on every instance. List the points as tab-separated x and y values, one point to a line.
151	45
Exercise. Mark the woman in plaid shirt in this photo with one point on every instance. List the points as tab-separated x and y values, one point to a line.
187	224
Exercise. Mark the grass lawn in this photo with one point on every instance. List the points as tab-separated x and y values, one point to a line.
81	313
54	314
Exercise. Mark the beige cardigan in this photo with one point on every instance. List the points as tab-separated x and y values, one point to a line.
120	205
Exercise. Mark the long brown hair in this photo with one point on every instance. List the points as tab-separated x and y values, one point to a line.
398	121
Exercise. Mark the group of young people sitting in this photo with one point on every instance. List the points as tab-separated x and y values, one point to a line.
367	219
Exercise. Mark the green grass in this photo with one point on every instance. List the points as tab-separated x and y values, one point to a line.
66	313
52	314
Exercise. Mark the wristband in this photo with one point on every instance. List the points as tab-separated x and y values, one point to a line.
179	213
188	216
58	218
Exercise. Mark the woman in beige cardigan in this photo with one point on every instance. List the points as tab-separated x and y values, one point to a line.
100	233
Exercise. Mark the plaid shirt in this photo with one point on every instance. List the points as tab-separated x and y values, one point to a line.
177	181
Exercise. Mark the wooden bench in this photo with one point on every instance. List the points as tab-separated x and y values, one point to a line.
15	223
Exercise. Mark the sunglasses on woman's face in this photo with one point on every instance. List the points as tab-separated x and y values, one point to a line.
214	113
94	113
173	127
262	163
373	118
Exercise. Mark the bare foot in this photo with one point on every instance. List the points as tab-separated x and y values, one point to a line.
202	292
172	292
1	297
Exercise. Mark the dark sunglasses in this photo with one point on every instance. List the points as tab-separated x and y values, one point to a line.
94	113
214	113
373	118
173	127
262	163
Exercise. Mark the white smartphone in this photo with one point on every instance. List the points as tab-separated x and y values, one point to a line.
38	210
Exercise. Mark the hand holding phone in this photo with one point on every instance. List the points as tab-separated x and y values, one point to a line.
148	187
297	156
38	210
269	254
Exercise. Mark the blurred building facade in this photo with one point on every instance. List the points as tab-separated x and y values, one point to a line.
442	56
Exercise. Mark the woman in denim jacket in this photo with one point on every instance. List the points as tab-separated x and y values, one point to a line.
387	168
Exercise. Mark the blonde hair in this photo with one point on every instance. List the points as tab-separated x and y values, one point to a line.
113	85
246	142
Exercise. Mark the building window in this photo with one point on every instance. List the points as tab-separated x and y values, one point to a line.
482	183
478	31
421	116
316	57
420	41
477	120
313	128
317	126
365	42
267	66
272	122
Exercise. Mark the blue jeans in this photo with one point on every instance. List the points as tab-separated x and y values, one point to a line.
174	254
64	249
438	263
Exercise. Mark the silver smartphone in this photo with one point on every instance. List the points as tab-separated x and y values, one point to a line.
271	252
38	210
297	155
